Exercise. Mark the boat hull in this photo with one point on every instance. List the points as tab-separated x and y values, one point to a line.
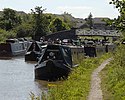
51	71
32	56
7	50
33	52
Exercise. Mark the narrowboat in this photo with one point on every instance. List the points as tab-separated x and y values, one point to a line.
56	62
33	52
110	47
93	50
12	47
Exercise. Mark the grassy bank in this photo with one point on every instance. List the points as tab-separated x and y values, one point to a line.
77	86
113	77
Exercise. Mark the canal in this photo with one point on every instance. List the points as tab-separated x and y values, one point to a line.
17	80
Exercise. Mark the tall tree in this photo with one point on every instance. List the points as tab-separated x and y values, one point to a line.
40	23
89	21
9	19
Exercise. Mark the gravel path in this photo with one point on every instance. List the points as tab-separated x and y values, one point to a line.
96	92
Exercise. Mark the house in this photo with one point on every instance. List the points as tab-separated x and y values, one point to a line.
99	23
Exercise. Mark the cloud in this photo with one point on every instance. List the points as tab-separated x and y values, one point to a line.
108	1
76	11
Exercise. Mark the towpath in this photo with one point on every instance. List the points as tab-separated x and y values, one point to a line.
95	91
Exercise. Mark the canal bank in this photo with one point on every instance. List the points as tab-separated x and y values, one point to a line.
77	86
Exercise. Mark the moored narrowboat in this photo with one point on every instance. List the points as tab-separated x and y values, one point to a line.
33	52
12	47
93	50
56	62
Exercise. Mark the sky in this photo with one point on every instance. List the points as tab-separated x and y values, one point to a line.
77	8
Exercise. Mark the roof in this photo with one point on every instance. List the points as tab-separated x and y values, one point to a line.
99	20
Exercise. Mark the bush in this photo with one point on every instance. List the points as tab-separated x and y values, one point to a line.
6	34
24	30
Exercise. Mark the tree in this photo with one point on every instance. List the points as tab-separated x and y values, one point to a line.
89	21
58	25
120	21
24	30
40	23
9	19
68	19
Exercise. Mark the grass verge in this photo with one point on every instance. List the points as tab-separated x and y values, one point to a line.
77	86
113	76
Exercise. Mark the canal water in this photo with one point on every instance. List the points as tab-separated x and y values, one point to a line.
17	80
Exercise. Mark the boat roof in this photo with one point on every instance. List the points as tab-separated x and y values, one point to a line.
11	40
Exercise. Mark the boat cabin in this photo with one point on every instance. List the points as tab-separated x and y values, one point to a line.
56	62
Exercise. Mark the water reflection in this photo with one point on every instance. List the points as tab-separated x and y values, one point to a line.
17	80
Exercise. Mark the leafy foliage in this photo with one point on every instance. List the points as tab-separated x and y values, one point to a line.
113	76
9	19
58	25
120	21
6	34
40	23
35	24
24	30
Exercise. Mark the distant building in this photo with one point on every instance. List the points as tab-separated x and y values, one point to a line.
98	23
